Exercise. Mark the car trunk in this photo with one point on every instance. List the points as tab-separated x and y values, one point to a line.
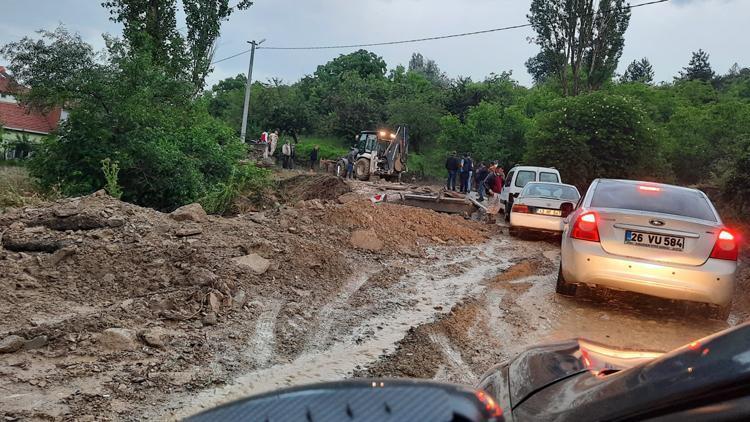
699	237
551	204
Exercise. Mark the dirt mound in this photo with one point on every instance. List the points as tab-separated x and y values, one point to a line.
305	187
406	229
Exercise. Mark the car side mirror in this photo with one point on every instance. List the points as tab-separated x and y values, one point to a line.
567	208
515	195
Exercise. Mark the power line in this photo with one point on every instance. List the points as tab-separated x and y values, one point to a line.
416	40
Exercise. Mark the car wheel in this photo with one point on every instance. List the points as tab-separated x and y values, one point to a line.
564	288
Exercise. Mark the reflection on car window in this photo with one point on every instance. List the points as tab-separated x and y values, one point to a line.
548	177
667	200
508	179
548	190
524	177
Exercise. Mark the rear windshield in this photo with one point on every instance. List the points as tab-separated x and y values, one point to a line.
524	177
548	177
664	200
551	191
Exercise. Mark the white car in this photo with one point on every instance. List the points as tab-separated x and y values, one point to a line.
542	207
518	177
655	239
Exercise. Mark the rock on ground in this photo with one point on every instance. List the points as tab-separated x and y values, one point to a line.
367	240
11	344
119	339
192	212
255	262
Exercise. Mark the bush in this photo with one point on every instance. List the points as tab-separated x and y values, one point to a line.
596	135
736	184
170	150
246	180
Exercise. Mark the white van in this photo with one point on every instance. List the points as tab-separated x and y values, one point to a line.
517	178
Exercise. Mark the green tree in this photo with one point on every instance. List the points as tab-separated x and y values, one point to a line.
581	39
639	71
699	68
429	69
596	135
125	108
151	26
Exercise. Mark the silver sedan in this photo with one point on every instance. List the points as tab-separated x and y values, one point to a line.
655	239
542	207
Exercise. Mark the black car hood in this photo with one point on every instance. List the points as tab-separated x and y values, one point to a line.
541	366
580	380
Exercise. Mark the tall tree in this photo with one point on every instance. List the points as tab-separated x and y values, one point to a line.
151	25
699	68
581	39
428	68
639	71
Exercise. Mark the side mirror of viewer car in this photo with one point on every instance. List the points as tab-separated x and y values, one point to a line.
371	399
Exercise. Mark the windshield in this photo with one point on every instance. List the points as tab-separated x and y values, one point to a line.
662	199
367	142
551	190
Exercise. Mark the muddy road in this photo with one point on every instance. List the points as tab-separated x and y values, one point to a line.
434	297
453	315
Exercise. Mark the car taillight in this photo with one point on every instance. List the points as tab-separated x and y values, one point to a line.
521	209
585	227
726	247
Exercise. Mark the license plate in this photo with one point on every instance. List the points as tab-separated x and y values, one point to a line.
544	211
656	241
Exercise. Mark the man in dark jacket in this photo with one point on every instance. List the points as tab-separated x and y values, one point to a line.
452	164
482	173
467	167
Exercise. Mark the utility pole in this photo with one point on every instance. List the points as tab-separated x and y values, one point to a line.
246	109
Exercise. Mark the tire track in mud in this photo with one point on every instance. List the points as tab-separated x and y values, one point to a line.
335	311
453	358
263	343
417	299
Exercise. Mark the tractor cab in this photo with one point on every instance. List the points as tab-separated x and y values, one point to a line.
373	142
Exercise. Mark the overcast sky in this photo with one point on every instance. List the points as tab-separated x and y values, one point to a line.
665	33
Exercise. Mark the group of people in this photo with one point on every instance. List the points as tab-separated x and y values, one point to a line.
288	150
487	179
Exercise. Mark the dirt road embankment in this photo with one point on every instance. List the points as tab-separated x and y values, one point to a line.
108	307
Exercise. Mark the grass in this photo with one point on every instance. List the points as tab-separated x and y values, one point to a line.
17	189
330	148
330	142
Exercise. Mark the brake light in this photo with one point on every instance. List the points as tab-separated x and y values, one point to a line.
726	247
585	228
521	209
649	188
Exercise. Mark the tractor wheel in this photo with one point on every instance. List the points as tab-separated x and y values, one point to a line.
362	169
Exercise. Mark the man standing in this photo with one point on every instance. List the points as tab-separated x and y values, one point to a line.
350	162
452	164
467	167
273	143
314	158
482	173
286	153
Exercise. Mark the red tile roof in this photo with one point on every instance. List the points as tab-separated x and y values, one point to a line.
16	117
